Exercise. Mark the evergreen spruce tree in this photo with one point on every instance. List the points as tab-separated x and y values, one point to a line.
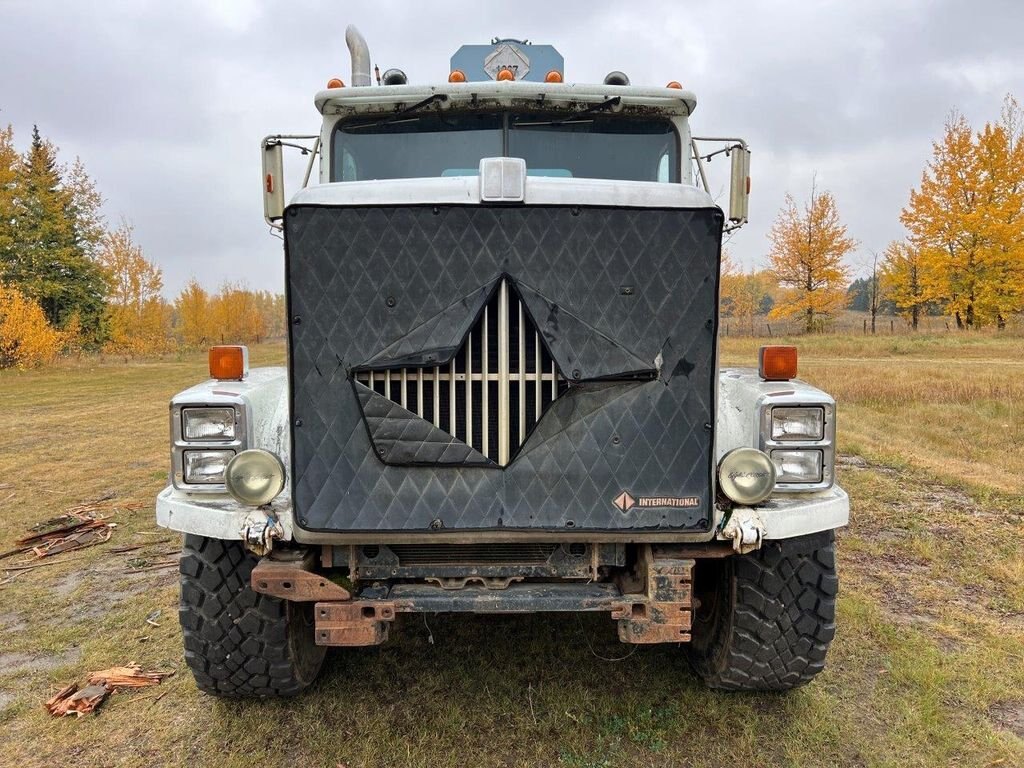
55	227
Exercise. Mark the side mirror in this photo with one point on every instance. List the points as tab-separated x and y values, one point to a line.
739	188
273	181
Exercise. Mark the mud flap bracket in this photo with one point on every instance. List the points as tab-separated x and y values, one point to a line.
290	575
663	613
353	624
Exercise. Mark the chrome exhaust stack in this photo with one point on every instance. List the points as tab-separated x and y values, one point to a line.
360	53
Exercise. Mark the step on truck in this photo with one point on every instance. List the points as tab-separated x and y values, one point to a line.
503	393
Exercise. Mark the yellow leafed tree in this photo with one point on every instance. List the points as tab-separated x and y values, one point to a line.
193	305
967	220
741	294
27	340
902	280
808	249
1001	155
235	316
139	319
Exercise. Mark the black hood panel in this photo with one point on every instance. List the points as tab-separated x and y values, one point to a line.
626	302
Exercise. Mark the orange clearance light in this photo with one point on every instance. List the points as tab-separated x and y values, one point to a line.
229	363
776	363
554	76
457	76
674	84
335	82
506	74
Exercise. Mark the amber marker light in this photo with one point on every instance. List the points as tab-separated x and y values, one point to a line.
674	84
335	82
229	363
506	75
776	363
457	76
554	76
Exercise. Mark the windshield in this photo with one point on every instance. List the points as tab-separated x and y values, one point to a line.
587	146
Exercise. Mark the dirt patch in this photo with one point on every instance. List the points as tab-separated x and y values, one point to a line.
19	663
11	623
100	577
6	699
860	464
1008	716
852	462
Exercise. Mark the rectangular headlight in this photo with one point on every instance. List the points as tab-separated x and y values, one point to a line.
798	466
792	423
208	423
206	467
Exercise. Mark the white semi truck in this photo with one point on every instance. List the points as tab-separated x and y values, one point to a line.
503	392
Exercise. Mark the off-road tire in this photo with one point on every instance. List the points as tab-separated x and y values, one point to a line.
239	642
766	619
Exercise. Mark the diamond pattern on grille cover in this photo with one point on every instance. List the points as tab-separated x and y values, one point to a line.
344	263
401	437
438	339
582	352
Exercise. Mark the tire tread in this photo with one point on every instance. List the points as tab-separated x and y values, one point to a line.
237	642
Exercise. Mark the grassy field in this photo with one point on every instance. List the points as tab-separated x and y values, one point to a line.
927	668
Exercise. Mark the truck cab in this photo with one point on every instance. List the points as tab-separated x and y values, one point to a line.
503	392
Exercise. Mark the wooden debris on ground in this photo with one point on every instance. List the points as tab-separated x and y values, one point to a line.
70	700
83	525
130	676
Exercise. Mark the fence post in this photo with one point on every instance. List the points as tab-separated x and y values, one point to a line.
865	327
766	325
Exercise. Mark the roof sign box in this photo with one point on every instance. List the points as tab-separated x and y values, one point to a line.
525	61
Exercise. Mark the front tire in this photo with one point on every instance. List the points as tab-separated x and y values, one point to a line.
766	619
239	642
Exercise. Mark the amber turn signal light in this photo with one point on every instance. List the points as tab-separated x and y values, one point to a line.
457	76
229	363
506	74
554	76
776	363
335	82
674	84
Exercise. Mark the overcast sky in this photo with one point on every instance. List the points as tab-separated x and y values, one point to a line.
166	102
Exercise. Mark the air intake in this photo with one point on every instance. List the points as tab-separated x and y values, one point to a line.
489	396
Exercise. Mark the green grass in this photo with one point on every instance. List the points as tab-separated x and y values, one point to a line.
931	612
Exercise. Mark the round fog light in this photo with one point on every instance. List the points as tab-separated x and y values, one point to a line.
746	475
254	477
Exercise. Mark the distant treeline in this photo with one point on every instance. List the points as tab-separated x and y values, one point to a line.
68	282
963	254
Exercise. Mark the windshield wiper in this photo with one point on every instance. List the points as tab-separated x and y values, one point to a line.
397	116
614	101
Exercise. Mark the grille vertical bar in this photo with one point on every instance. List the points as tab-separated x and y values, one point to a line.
503	375
522	374
485	386
497	357
469	390
437	397
452	405
538	385
419	392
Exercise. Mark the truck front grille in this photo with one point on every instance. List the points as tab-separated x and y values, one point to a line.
493	391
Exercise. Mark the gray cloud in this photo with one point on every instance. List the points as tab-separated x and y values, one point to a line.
166	102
